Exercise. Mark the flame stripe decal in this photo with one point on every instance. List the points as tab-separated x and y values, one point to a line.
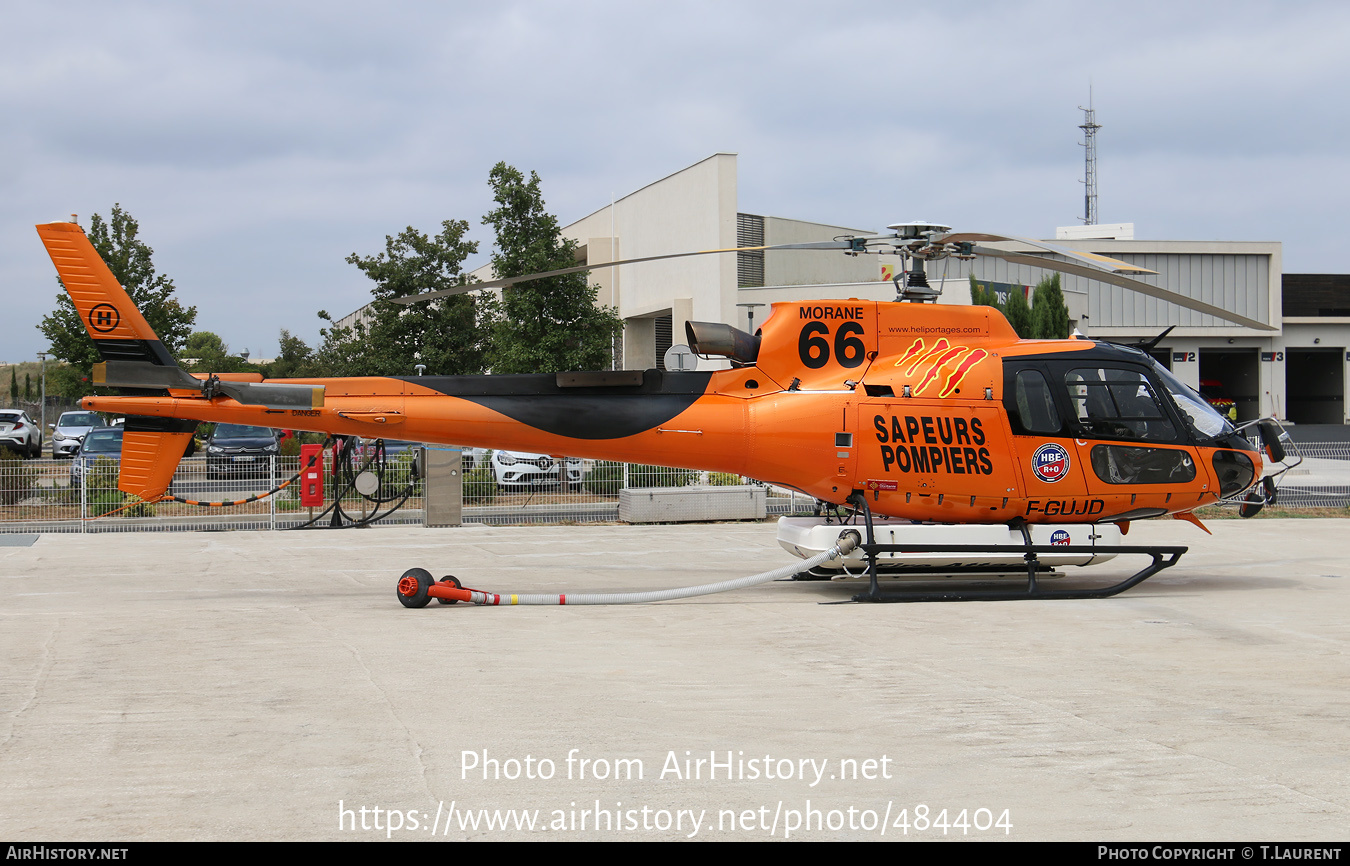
938	348
950	355
954	380
959	360
915	349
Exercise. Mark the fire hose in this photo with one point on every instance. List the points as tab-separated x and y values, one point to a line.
416	587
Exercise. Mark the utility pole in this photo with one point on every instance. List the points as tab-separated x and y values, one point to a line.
1089	145
42	356
750	316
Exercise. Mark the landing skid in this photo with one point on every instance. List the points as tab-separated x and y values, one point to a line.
1162	557
934	573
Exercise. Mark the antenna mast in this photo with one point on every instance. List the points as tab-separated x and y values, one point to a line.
1089	145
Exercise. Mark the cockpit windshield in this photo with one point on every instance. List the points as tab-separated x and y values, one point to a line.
1207	423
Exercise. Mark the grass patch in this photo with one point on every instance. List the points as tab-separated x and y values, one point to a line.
1272	512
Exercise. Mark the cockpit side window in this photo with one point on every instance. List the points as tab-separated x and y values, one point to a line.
1196	411
1033	410
1113	403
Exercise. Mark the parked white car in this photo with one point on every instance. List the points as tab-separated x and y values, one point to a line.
517	469
19	433
474	457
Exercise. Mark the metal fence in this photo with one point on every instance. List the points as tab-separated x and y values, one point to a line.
1324	450
1319	496
82	496
76	496
48	495
589	491
1314	484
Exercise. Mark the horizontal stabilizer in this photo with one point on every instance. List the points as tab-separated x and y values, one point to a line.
140	374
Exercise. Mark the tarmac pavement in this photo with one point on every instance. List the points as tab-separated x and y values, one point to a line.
269	685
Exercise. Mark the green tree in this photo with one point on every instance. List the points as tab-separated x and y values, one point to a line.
294	360
445	334
28	387
69	381
13	386
549	325
1018	312
130	261
207	350
981	297
209	354
1049	313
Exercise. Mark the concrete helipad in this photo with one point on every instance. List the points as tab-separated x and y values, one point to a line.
269	686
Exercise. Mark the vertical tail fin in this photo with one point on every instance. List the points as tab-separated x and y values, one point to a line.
117	328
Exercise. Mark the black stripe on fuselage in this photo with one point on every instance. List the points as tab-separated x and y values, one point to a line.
604	412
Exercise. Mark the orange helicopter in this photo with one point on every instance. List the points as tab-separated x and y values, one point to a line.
935	425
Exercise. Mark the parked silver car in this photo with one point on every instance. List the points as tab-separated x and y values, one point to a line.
19	433
70	429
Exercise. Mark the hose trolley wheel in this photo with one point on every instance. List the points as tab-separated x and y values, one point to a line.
413	586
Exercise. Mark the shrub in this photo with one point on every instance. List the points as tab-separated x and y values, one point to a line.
642	475
480	485
137	508
398	474
723	479
288	498
604	479
16	478
103	497
100	482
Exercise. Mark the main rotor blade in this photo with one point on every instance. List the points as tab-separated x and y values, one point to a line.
509	281
1125	282
1092	260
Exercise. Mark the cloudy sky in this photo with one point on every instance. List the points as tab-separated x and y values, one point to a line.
258	144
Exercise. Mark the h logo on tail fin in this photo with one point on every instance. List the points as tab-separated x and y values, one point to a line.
104	318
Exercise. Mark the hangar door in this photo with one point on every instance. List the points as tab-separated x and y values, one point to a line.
1238	371
1315	385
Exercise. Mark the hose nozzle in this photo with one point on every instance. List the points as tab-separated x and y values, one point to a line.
848	542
